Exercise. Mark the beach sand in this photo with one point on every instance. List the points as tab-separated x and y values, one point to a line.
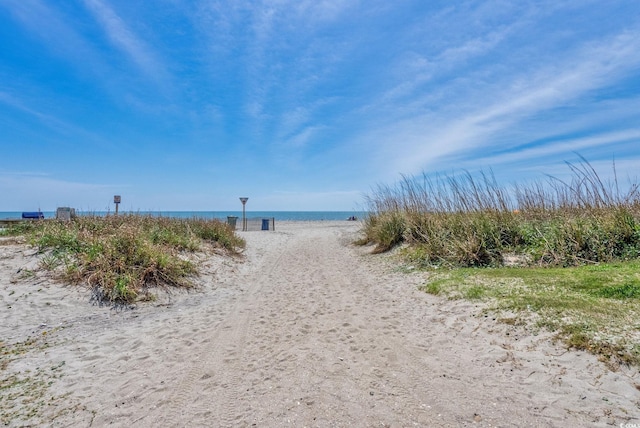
303	330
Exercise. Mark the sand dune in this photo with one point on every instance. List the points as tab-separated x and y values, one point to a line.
305	330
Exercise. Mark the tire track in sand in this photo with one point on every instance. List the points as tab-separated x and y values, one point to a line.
217	363
320	327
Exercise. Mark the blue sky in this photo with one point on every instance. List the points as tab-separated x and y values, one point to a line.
305	105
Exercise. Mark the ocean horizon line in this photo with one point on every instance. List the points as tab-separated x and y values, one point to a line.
210	214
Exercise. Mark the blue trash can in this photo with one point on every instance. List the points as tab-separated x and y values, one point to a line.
265	224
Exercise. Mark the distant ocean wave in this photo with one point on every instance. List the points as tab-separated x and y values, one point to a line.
221	215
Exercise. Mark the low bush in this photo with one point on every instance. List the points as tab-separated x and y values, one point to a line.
121	257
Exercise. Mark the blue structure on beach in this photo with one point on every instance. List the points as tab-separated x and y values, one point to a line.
33	215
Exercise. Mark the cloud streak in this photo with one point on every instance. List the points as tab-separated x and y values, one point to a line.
123	38
49	121
547	88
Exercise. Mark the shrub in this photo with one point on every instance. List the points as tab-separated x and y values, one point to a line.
120	257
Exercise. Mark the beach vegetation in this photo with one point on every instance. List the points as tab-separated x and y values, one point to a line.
565	253
472	221
590	307
122	257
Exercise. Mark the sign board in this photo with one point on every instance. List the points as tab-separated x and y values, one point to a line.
244	200
116	199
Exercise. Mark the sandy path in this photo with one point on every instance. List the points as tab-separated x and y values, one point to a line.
307	331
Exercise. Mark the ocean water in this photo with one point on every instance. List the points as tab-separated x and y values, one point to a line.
221	215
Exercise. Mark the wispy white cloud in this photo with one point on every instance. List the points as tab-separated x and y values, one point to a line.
48	120
301	118
56	28
302	138
429	138
44	21
595	67
280	44
318	11
415	69
18	104
556	147
126	40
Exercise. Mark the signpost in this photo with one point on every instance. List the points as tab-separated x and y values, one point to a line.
244	219
116	200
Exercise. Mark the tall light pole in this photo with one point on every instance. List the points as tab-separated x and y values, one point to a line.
244	219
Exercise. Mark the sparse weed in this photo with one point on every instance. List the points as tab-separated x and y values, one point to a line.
26	274
24	393
50	261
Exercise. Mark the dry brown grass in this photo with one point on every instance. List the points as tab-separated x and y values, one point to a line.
121	257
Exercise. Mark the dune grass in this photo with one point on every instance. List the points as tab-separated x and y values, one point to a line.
471	221
577	245
121	257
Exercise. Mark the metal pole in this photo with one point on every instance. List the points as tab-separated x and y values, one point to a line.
244	218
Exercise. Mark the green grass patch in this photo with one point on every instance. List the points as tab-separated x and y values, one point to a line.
594	308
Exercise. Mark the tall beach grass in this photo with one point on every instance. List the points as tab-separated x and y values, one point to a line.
472	221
